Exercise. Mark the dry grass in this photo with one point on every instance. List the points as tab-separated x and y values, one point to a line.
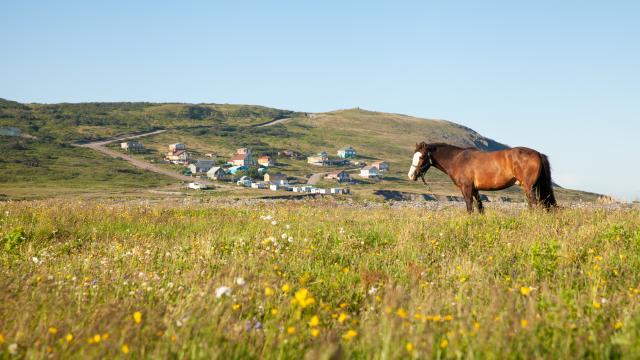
98	279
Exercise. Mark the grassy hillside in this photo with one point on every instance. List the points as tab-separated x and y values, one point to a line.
221	129
111	280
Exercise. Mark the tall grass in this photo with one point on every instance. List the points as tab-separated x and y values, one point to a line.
109	280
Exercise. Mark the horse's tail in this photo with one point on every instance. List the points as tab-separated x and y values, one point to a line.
543	186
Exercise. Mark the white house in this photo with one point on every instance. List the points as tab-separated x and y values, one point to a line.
258	185
197	186
179	157
382	166
131	146
347	152
244	181
369	172
321	159
275	187
266	160
177	146
217	173
201	166
242	157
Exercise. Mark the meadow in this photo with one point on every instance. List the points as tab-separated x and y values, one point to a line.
316	279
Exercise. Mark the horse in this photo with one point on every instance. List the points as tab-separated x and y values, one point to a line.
472	170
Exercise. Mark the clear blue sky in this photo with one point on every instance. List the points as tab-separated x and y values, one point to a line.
559	76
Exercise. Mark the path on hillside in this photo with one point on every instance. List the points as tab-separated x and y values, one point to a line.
272	122
100	146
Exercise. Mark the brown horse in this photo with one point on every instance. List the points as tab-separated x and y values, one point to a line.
473	170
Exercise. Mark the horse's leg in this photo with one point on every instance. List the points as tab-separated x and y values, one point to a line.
467	192
476	194
530	194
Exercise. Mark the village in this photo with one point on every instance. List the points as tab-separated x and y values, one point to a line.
261	172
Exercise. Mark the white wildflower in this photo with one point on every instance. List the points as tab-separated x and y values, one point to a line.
223	291
373	290
35	260
240	281
13	349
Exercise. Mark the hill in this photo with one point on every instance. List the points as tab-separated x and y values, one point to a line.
220	129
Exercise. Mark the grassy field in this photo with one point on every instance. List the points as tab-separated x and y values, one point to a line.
317	280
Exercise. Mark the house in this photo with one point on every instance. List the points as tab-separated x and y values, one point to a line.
289	153
265	160
201	166
321	159
280	179
275	187
258	185
347	152
369	172
382	166
217	173
234	169
244	181
131	146
242	157
180	157
340	175
177	146
197	186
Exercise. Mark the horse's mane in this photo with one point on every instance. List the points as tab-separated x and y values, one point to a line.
433	146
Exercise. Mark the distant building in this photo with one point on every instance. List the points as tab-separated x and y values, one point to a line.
339	175
369	172
177	146
347	152
265	160
279	179
234	169
258	185
321	159
197	186
180	157
244	181
201	166
242	157
217	173
289	153
382	166
131	146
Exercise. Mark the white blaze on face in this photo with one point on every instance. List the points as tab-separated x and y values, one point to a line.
414	165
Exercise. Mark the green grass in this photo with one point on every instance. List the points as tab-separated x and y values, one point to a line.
32	168
403	282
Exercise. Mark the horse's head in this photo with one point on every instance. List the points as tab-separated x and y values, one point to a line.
421	162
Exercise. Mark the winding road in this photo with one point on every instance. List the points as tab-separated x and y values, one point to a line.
100	146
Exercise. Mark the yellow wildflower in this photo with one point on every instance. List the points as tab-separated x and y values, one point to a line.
524	323
274	311
476	326
444	343
235	307
291	330
69	338
53	330
343	305
268	291
303	298
1	339
350	335
345	270
342	317
525	290
402	313
597	305
286	288
437	318
125	348
409	348
137	317
315	332
315	321
618	325
448	317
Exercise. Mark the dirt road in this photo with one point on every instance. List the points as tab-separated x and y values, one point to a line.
272	122
100	146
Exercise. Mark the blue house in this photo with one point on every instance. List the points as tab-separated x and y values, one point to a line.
347	152
234	169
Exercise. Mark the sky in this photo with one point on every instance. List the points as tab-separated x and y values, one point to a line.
562	77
